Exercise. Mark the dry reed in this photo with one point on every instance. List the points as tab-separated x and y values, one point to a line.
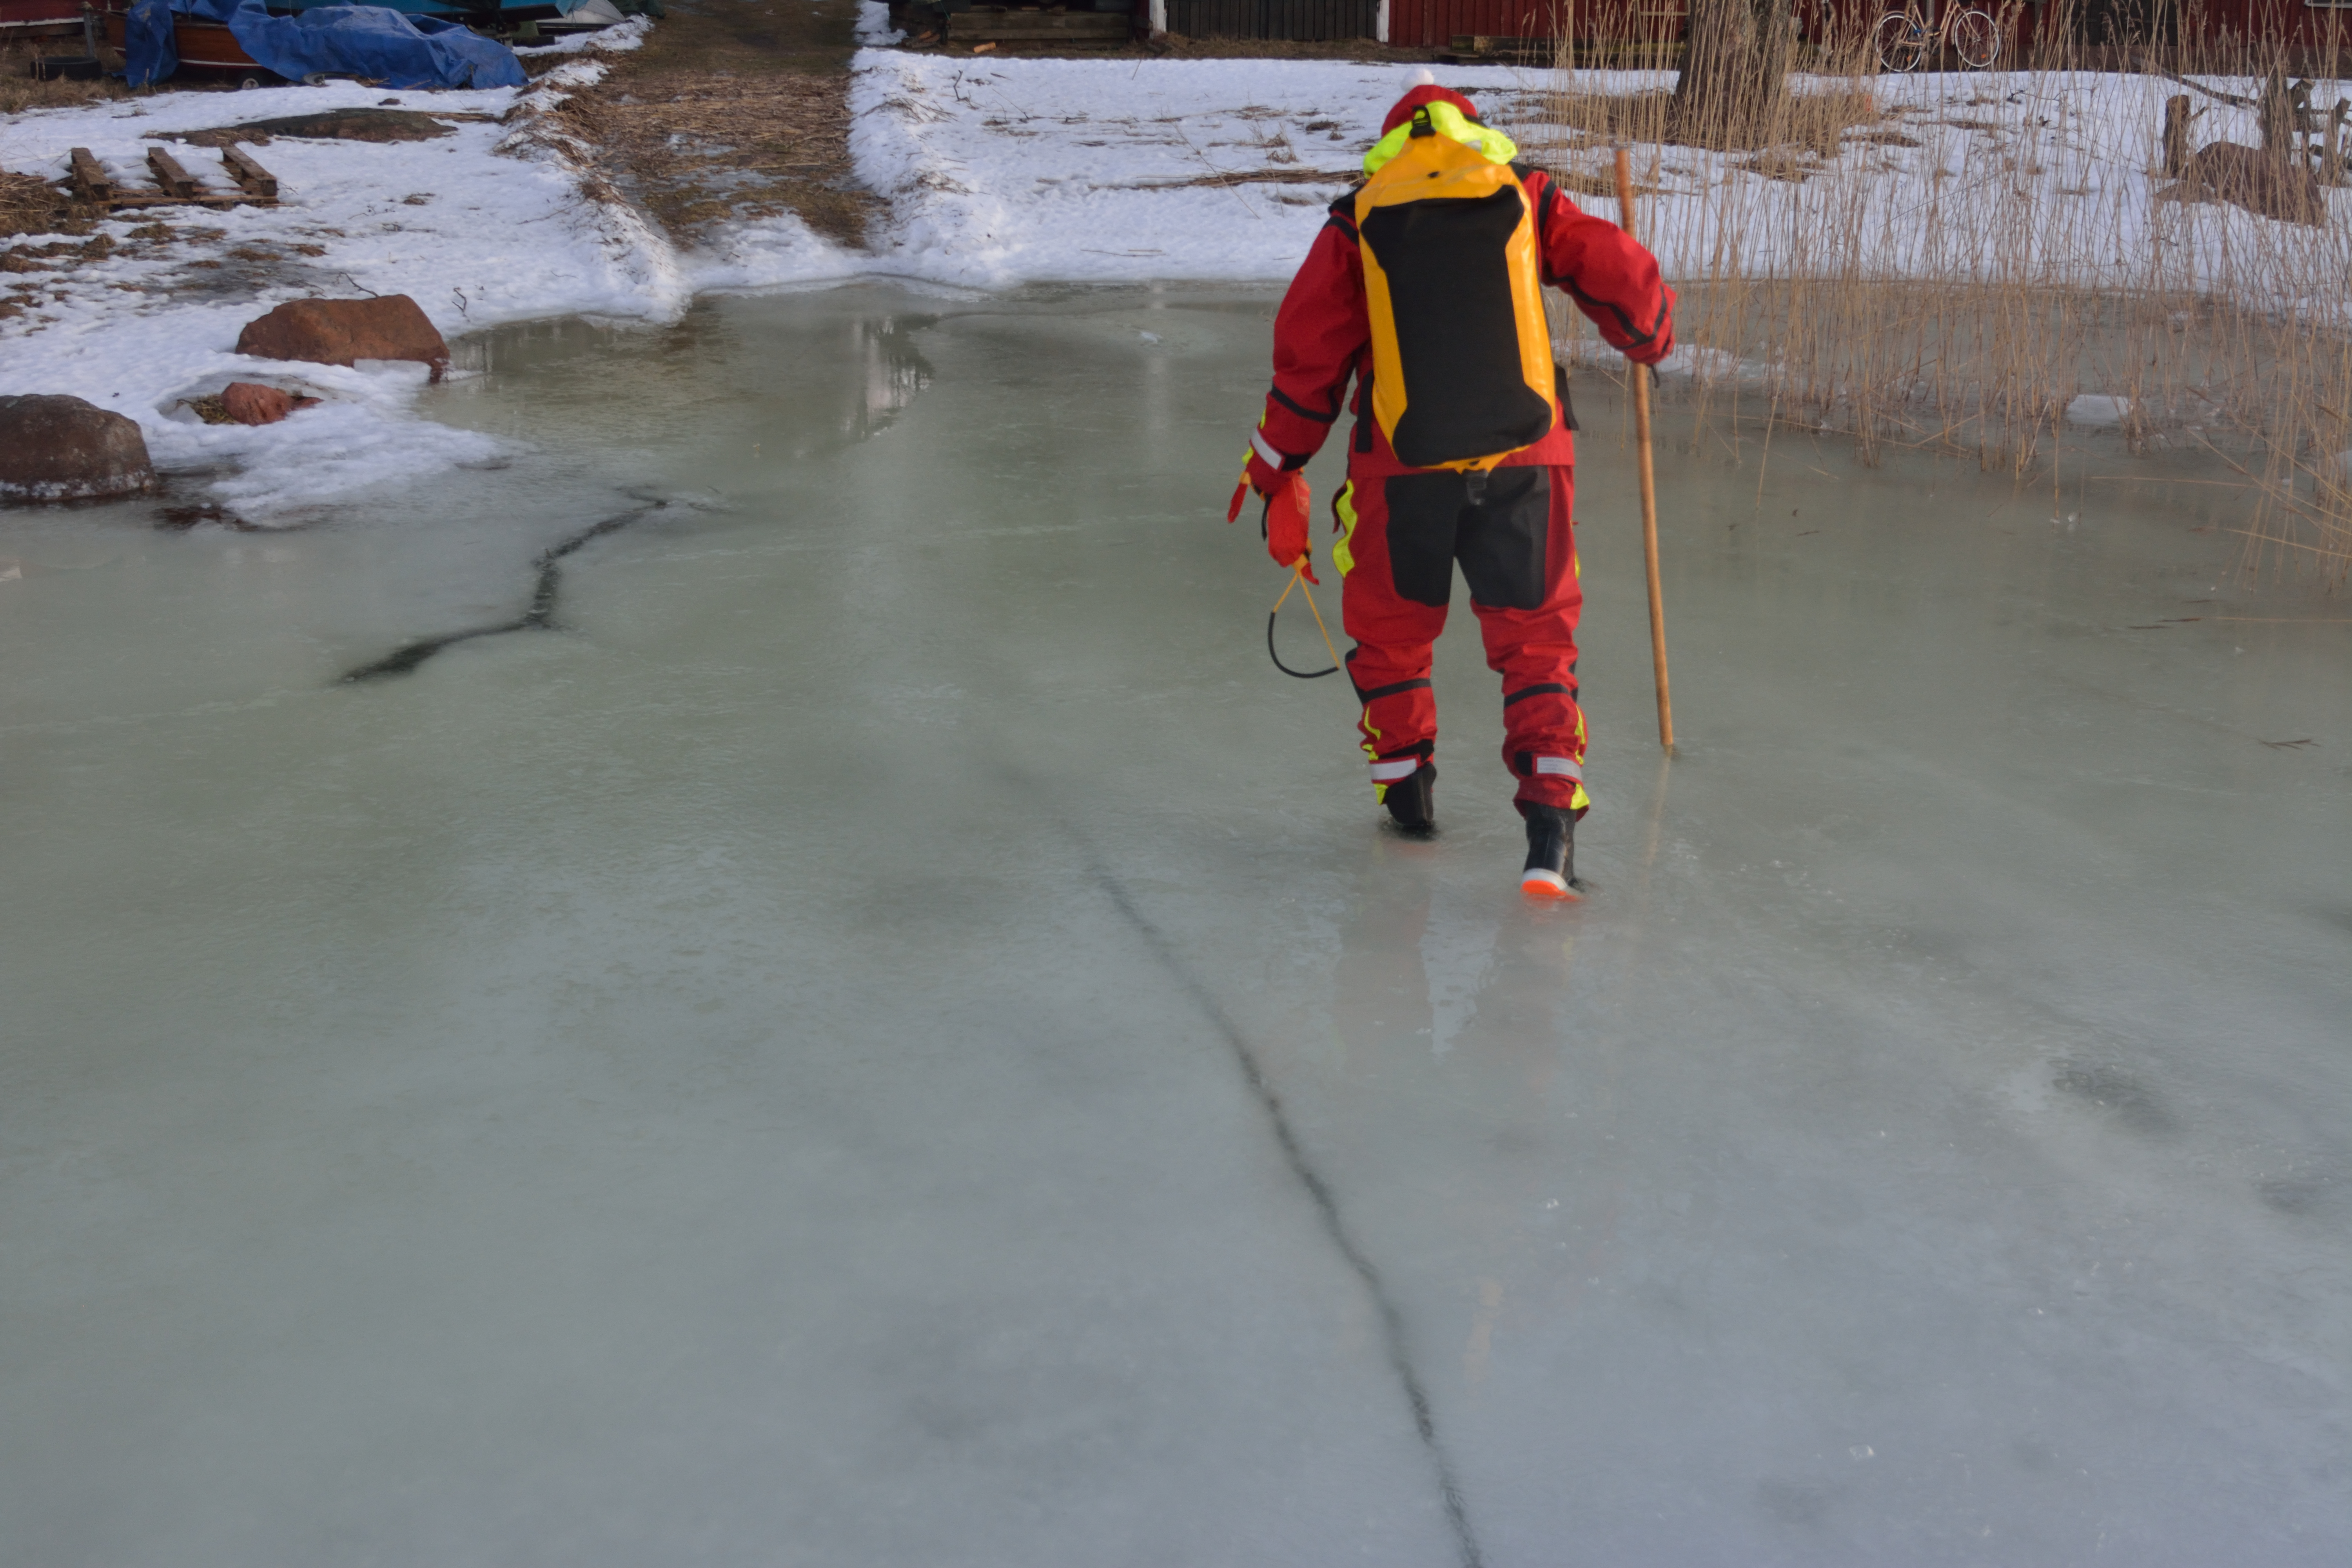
20	91
1954	261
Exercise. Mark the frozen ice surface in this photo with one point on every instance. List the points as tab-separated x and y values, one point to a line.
753	1065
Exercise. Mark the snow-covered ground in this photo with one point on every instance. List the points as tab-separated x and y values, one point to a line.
998	172
1030	170
1027	170
475	237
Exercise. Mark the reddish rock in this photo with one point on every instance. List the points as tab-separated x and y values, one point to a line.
2252	179
250	402
53	448
338	331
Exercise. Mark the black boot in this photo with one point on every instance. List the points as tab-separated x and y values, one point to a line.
1412	801
1551	852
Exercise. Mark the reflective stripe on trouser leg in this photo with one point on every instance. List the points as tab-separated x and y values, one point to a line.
1389	666
1395	768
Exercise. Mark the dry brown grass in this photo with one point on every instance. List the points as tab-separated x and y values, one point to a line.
1815	120
733	114
1965	315
28	205
19	91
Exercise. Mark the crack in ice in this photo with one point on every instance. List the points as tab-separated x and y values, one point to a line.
1392	1320
539	617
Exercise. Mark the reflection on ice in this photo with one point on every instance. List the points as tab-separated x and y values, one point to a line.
895	372
897	1038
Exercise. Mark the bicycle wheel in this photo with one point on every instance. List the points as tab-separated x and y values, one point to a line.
1976	38
1901	39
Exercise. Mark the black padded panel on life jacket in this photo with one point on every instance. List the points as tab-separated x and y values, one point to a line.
1457	334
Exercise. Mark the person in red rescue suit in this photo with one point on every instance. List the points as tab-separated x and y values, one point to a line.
1400	529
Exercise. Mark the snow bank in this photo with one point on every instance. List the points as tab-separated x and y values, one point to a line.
1010	171
1016	171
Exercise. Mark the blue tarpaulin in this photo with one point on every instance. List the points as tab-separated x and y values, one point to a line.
368	41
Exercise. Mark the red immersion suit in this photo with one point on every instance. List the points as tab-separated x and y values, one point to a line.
1402	527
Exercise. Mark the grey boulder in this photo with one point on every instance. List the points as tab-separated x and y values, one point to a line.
53	448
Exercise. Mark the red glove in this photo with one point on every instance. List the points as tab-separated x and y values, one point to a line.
1285	527
1287	503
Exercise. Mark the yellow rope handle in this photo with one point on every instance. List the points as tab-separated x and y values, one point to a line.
1297	574
1286	587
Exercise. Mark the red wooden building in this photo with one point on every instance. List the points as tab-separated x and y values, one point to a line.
39	18
1434	24
2314	29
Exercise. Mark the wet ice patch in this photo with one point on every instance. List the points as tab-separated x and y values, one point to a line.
2027	1091
2121	1095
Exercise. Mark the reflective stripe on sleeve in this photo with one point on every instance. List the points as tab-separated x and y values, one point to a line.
1263	450
1395	768
1561	765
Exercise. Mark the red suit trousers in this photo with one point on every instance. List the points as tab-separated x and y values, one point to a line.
1513	538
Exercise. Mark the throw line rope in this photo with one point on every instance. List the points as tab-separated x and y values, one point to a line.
1298	576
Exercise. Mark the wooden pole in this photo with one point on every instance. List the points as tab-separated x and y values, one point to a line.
1649	490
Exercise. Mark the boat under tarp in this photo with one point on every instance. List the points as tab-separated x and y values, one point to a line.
373	42
196	41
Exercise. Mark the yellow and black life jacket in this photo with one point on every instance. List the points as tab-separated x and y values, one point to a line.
1462	366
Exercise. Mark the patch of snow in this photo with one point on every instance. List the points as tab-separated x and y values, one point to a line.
874	26
362	438
1005	171
2097	411
628	34
779	251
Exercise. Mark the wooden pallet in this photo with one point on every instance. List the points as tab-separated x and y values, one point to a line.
175	186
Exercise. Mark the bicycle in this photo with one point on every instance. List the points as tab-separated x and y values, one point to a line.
1905	35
